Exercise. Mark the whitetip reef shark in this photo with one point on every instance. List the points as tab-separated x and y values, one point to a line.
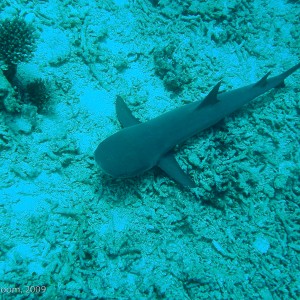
138	147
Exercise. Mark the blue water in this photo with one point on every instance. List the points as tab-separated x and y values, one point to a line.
68	231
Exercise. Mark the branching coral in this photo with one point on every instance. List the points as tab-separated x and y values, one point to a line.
17	43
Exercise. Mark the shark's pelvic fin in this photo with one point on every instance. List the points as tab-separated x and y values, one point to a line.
124	114
212	97
170	166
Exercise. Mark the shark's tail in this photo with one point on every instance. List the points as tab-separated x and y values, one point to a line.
290	71
278	81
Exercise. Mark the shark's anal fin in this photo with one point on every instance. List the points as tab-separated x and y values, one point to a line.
124	114
170	166
212	97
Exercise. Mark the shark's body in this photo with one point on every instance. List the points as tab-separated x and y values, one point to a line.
141	146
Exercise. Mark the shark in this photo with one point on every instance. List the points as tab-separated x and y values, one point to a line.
138	147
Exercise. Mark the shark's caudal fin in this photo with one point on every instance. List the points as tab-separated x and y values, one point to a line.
277	81
290	71
285	74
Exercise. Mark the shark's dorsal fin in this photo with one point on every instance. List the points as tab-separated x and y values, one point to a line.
170	166
124	114
263	81
212	97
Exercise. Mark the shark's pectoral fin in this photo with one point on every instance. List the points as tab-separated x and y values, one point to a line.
170	166
124	114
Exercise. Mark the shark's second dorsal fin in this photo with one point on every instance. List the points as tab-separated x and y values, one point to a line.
212	97
263	81
124	114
